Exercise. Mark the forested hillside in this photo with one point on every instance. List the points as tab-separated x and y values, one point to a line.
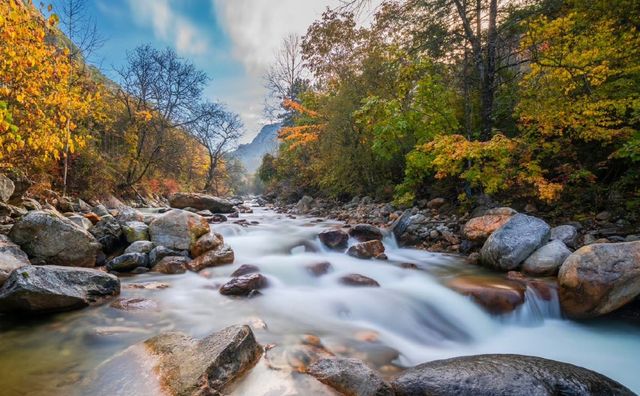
532	101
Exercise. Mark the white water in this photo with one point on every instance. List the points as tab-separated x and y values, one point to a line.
414	317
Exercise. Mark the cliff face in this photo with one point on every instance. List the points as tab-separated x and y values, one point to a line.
266	142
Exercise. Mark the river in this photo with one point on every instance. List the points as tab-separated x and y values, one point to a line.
412	318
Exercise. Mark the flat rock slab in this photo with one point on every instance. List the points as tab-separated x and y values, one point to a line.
201	202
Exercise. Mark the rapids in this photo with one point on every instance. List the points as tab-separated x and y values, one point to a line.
410	319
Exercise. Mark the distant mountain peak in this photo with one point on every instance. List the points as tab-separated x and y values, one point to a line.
265	142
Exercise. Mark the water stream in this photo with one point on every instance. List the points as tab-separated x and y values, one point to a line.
412	318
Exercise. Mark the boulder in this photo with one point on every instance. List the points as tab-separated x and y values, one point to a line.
176	364
436	203
81	221
135	231
319	269
213	258
497	296
6	188
160	252
171	265
488	375
349	377
599	278
201	202
52	239
140	247
567	234
512	243
334	239
245	269
109	233
11	257
365	233
244	285
358	280
546	260
125	214
11	210
50	288
177	229
100	211
304	204
366	250
128	262
205	243
478	229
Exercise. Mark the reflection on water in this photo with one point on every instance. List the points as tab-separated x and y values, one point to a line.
410	319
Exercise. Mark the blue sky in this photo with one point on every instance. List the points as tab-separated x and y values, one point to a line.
232	40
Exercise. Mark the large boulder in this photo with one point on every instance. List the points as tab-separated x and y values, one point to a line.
366	250
480	228
49	238
11	257
512	243
213	258
201	202
135	231
334	239
177	229
488	375
365	233
6	188
349	377
41	289
546	260
599	278
176	364
497	296
109	233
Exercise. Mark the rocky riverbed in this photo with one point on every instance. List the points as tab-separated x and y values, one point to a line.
214	296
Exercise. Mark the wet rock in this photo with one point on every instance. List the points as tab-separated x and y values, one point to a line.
365	233
512	243
140	247
349	377
319	269
218	218
41	289
599	278
497	296
366	250
176	364
177	229
480	228
201	202
334	239
567	234
547	259
160	252
244	285
205	243
245	269
6	188
171	265
134	304
109	233
52	239
213	258
135	231
128	262
488	375
358	280
11	257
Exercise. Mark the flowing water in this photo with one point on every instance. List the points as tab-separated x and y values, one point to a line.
412	318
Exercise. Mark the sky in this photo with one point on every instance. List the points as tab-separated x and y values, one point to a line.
233	41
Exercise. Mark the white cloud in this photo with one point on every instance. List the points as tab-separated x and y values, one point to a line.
168	25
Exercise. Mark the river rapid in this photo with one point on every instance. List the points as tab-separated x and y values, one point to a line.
412	318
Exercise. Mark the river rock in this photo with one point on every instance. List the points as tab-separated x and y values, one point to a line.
599	278
358	280
6	188
81	221
177	229
125	214
245	269
244	285
176	364
349	377
489	375
512	243
172	265
436	203
52	239
567	233
334	239
213	258
135	231
101	210
140	247
319	269
51	288
304	204
134	304
205	243
480	228
498	296
160	252
366	250
11	257
365	233
201	202
128	262
546	260
109	233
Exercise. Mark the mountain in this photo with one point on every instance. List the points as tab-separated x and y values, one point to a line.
266	142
